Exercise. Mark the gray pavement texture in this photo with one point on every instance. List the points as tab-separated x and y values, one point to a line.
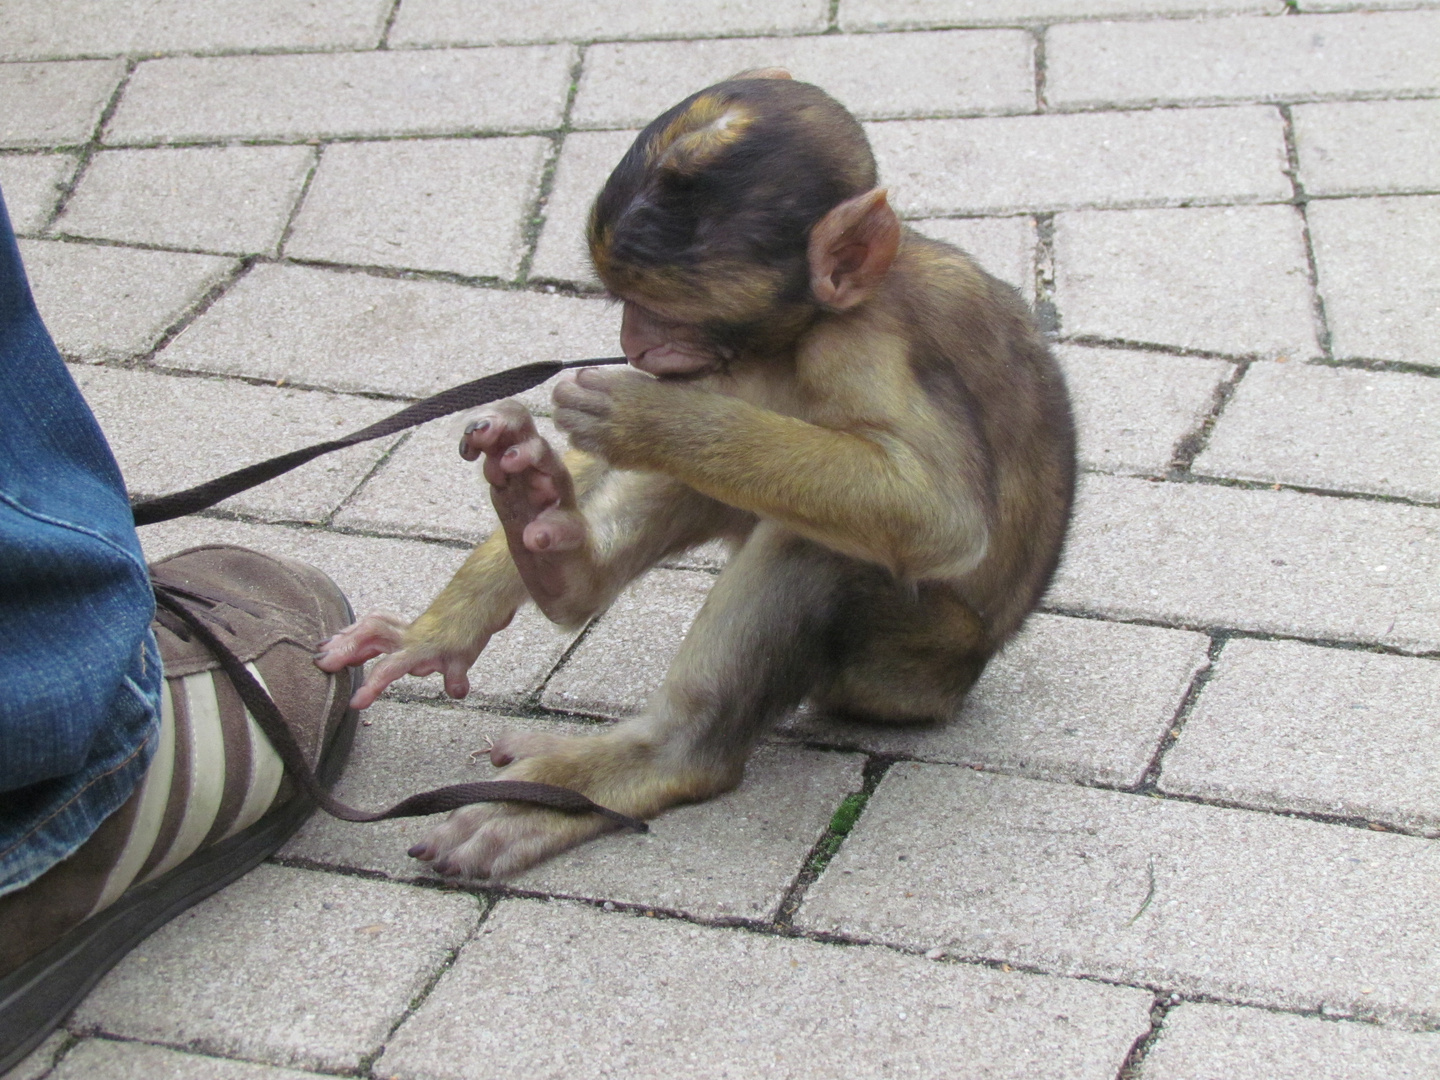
1185	826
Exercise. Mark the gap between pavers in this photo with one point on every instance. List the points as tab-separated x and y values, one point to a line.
114	303
652	997
1229	903
1071	699
257	970
1251	1044
1286	726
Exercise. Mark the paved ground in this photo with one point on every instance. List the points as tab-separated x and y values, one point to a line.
1188	826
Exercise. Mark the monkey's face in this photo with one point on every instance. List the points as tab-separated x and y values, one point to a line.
666	347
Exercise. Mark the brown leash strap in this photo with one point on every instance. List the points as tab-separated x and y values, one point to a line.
267	714
465	396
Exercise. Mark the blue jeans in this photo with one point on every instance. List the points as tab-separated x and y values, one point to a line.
80	676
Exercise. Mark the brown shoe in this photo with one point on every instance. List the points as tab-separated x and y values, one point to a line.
216	799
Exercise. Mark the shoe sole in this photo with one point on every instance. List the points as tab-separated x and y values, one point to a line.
36	996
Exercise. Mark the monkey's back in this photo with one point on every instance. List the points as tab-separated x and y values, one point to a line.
976	351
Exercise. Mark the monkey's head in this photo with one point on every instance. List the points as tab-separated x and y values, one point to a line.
735	219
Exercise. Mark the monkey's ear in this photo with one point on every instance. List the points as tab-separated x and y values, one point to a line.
851	249
761	73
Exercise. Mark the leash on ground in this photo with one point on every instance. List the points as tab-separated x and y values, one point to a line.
190	607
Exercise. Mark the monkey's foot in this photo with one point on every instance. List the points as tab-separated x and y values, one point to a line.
616	770
534	497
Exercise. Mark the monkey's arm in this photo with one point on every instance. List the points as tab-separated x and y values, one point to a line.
868	493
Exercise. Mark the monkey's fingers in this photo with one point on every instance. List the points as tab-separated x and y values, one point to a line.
495	428
412	662
374	635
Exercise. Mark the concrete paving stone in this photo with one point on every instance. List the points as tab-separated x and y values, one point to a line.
427	92
357	332
55	104
1132	408
1231	279
1287	726
903	14
257	970
586	161
1336	428
1249	907
641	997
1008	164
94	1058
624	657
1068	699
731	857
226	199
1251	1044
1005	247
427	490
937	74
31	185
1378	262
400	576
456	22
1362	5
1368	147
442	205
171	433
436	204
110	303
61	28
1269	561
37	1064
401	748
1241	59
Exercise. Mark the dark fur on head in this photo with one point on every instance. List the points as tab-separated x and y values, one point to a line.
711	209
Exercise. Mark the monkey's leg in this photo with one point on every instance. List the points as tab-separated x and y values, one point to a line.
904	654
757	647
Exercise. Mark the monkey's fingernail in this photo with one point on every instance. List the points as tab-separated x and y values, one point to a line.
477	425
445	866
512	452
417	851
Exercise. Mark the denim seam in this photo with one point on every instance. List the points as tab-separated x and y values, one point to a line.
21	508
93	781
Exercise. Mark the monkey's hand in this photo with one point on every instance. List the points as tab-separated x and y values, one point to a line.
603	410
383	634
620	769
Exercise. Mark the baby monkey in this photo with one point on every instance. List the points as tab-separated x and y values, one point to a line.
869	419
